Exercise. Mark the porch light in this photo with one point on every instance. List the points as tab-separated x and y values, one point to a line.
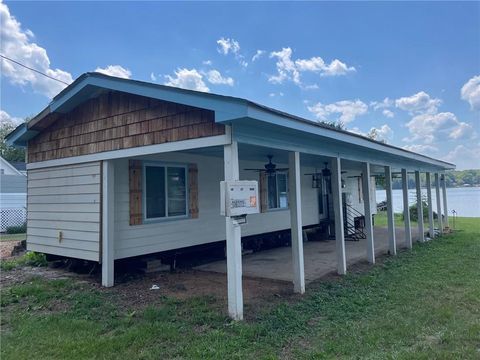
344	185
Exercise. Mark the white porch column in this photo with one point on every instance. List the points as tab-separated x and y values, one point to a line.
368	212
439	203
336	181
445	208
295	203
234	242
431	225
108	219
406	209
392	245
421	231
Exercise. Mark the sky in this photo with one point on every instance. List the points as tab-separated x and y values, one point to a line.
408	71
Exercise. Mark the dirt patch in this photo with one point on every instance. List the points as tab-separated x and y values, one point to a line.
136	293
23	274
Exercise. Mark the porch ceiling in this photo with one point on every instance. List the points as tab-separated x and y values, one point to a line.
259	153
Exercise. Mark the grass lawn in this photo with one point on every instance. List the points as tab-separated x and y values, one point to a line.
424	303
12	237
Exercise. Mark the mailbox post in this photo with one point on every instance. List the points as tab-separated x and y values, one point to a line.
237	200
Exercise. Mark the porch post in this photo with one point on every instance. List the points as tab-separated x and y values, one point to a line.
368	212
336	181
234	242
108	218
431	225
392	246
406	209
296	222
439	203
445	208
421	231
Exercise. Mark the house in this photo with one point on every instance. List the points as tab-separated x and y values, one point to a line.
13	194
119	168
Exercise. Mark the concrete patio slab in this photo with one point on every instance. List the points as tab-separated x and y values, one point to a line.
319	257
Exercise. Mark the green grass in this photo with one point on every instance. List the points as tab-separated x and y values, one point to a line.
381	220
422	304
12	237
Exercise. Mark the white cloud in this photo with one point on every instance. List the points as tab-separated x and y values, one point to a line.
383	133
5	118
115	70
187	79
336	67
465	157
471	92
231	46
430	128
17	44
388	113
384	104
418	103
275	94
421	148
286	68
312	64
226	46
153	77
214	77
347	109
310	87
207	62
289	69
258	55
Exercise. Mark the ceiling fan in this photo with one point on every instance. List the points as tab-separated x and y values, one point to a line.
325	171
270	168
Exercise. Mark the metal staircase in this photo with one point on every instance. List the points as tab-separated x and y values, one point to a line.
353	223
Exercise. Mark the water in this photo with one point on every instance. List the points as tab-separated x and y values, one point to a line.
465	201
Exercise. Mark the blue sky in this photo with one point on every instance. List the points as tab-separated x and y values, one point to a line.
397	67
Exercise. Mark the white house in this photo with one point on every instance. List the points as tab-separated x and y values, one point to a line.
119	168
13	195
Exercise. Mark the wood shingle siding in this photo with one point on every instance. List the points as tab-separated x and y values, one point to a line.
114	121
64	210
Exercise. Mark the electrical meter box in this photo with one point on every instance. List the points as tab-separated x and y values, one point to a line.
238	198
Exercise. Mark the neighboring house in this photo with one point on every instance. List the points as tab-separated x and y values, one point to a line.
13	194
119	168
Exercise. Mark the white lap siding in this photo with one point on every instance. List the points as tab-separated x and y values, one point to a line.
64	210
132	240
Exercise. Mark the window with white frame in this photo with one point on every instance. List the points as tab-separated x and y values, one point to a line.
165	191
277	191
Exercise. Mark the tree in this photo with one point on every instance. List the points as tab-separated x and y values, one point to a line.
9	153
338	125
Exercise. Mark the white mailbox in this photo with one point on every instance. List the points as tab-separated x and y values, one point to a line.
239	198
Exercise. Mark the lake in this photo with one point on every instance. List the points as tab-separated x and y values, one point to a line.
465	201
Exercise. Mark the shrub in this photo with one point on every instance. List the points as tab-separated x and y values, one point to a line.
31	258
19	229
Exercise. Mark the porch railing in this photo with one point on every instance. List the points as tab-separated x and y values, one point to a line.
354	224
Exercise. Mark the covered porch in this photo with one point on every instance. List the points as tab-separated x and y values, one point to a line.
319	257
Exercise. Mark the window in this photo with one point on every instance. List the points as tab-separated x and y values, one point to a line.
277	191
165	191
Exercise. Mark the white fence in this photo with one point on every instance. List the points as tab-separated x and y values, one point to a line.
12	217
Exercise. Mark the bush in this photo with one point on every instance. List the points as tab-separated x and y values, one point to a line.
31	258
19	229
414	214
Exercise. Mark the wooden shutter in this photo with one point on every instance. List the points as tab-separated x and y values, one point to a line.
135	189
193	190
262	188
